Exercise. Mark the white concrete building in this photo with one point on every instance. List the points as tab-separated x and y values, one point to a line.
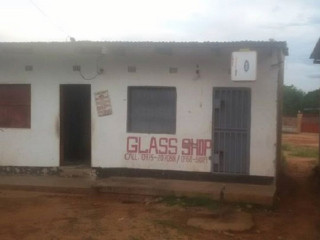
144	108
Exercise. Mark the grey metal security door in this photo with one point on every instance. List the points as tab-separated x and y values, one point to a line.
231	130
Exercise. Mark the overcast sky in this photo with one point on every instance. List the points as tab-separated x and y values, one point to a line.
294	21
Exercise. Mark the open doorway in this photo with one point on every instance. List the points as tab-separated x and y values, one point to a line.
75	124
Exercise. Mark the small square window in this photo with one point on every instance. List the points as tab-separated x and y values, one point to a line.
28	68
152	110
173	70
132	69
76	68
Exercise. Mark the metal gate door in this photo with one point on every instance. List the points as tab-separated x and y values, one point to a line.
231	130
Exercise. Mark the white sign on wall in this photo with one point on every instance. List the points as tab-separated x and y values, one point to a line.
244	66
103	103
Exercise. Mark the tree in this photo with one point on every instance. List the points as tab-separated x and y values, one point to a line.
292	100
311	101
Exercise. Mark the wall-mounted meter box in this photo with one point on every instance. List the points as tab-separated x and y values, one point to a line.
244	66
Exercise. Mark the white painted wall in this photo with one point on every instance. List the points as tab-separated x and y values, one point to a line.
39	146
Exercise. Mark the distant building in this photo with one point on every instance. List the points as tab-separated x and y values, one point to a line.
315	55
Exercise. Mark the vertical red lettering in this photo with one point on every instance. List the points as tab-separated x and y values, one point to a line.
163	145
132	144
207	145
173	146
186	146
153	145
140	150
198	147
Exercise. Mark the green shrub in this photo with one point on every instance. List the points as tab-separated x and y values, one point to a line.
191	202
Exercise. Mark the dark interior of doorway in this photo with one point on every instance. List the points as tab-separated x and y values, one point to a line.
75	124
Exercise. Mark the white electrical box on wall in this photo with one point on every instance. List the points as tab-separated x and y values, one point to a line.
244	66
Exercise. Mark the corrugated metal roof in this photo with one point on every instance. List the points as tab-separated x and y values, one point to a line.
237	44
315	55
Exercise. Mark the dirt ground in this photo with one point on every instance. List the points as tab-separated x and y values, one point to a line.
36	215
302	139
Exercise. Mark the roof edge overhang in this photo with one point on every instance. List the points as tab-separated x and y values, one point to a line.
279	45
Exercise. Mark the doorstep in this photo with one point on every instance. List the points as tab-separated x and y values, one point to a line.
46	183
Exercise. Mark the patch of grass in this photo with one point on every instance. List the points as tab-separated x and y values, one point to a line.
251	207
135	238
300	151
305	152
191	202
167	223
286	147
210	204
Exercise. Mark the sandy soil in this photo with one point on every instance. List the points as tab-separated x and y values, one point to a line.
302	139
34	215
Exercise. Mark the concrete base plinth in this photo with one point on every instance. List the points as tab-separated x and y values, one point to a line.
231	192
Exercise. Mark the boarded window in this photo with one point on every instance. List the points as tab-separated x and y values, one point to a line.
152	109
15	105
